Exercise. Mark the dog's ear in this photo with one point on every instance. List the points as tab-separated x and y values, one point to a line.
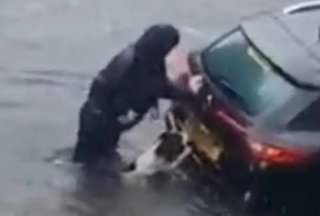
190	144
163	136
178	125
172	123
129	168
168	121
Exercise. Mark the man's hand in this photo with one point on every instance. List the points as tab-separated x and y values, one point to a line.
195	84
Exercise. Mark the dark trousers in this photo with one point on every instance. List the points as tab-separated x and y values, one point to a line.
98	134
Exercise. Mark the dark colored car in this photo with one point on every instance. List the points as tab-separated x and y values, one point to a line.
262	90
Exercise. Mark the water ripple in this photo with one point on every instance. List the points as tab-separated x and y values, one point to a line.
7	104
36	81
77	75
49	78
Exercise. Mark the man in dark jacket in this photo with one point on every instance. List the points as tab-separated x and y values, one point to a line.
133	82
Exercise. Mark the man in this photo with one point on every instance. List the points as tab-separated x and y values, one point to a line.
133	82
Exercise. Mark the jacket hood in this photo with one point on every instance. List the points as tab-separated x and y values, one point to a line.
156	42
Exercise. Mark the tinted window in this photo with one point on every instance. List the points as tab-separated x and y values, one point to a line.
245	76
308	119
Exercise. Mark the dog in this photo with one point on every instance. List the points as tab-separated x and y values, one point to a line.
168	152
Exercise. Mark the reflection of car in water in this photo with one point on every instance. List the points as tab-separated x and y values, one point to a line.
262	89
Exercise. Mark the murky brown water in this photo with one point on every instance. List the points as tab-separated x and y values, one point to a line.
50	50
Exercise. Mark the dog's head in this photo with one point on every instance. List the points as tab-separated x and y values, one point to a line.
170	146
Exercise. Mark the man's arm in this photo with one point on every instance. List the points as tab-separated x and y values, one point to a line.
192	96
175	93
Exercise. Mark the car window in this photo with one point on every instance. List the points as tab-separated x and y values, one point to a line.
308	119
245	76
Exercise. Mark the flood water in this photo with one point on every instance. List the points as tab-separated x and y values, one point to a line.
49	52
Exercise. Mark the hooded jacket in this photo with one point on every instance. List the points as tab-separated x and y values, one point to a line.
136	78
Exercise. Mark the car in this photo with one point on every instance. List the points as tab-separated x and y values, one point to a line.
260	102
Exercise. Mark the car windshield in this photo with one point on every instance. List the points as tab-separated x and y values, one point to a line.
244	75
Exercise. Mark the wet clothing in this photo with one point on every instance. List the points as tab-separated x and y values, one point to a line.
97	131
134	81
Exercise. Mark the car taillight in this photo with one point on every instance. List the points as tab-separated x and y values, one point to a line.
276	155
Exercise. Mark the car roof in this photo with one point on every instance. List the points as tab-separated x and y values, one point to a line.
291	42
